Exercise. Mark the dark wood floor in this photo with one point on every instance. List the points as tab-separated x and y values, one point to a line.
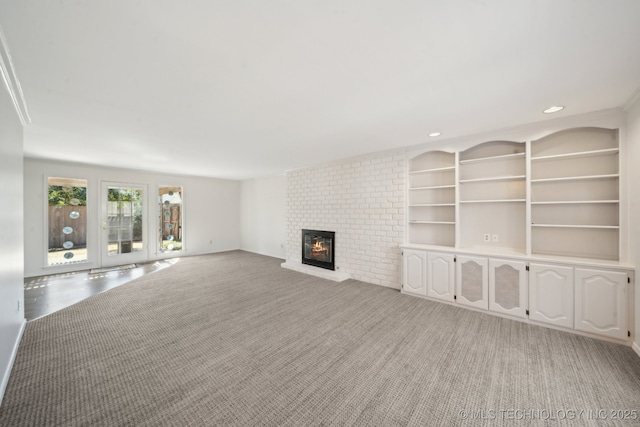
46	294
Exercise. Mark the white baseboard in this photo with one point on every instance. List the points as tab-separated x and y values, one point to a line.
636	348
14	352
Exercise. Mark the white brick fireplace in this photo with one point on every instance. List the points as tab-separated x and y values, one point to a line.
362	200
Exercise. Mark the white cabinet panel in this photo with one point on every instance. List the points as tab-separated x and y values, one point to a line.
472	285
414	272
551	294
601	302
508	287
440	276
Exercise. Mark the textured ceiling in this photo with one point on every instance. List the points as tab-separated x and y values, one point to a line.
239	89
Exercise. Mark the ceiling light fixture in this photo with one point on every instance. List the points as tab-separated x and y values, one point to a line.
553	109
433	134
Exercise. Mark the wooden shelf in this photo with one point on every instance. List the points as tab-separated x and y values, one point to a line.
431	222
432	187
603	227
576	178
433	170
418	205
578	154
495	201
577	202
495	178
492	158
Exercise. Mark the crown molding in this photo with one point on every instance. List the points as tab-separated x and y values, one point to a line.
11	81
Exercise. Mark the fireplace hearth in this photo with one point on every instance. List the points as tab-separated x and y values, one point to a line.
318	248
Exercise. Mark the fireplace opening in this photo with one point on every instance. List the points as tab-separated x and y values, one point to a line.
317	248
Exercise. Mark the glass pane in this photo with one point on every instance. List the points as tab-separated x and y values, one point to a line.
124	220
318	248
67	221
171	211
471	275
507	287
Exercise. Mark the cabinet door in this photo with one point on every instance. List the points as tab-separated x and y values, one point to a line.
472	286
508	287
551	294
440	276
414	272
601	302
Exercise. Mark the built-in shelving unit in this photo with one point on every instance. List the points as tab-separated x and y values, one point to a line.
575	194
492	188
554	196
432	197
534	230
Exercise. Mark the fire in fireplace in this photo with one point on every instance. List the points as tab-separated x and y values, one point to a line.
317	248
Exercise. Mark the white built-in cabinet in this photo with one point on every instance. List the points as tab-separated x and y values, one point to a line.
529	229
601	302
472	281
440	276
508	291
551	294
592	300
414	272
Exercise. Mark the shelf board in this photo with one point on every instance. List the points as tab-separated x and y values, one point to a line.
495	201
447	168
578	154
418	205
491	158
432	187
494	178
577	202
604	227
431	222
577	178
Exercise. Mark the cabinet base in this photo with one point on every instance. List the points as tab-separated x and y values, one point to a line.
626	342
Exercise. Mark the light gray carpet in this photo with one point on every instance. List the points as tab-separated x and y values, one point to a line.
234	339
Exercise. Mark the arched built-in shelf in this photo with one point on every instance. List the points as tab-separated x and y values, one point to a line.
575	185
432	199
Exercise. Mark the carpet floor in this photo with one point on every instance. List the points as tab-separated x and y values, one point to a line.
234	339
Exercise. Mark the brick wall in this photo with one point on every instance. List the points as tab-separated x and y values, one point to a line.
363	201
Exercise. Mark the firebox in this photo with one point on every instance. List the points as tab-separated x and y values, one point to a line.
317	248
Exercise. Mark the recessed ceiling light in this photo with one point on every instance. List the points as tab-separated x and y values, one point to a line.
432	134
553	109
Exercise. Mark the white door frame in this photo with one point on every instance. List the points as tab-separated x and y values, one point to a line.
107	260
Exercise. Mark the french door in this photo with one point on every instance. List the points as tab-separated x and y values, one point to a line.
124	223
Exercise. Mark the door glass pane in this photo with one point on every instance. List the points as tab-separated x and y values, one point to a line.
124	220
67	220
471	287
507	287
170	209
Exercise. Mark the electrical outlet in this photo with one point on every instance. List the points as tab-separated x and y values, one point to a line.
19	304
494	238
487	238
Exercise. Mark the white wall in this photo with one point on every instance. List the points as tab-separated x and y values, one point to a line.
633	159
363	201
264	215
211	211
11	236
